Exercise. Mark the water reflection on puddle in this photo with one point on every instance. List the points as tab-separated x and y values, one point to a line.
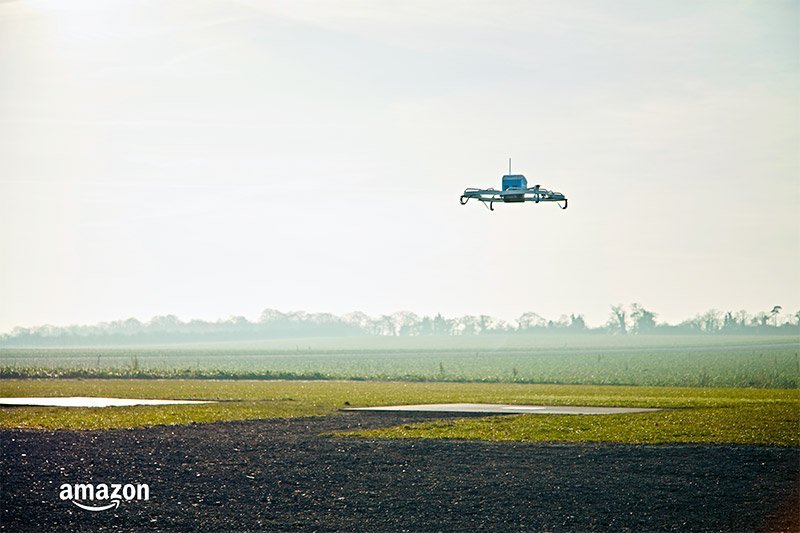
506	409
89	401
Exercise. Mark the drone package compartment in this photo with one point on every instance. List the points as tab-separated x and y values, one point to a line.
515	181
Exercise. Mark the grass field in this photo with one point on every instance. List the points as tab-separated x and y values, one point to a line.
719	415
695	361
713	389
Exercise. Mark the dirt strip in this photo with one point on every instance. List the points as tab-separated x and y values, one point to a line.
284	475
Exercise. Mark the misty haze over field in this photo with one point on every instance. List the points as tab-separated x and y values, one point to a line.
273	324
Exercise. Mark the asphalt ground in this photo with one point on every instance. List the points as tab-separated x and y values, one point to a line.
288	475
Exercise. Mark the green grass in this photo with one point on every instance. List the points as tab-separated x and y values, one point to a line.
719	415
768	424
695	361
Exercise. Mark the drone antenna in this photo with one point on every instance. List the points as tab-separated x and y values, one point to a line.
509	166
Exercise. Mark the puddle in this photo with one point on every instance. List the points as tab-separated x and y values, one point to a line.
495	408
90	401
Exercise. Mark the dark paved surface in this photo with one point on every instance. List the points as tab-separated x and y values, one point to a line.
282	475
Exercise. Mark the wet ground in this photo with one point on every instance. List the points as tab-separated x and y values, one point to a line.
90	401
287	475
506	409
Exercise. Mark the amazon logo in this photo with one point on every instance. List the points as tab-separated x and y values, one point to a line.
102	496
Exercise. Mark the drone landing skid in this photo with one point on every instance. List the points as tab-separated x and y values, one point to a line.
513	195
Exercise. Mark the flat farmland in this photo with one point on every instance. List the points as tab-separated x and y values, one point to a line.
693	361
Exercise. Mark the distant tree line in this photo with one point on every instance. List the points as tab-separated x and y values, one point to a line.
638	320
630	320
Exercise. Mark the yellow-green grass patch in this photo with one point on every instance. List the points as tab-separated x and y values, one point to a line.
764	424
748	416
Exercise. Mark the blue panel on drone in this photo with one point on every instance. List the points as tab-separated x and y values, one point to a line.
516	181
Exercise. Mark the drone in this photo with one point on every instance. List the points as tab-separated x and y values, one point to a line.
515	190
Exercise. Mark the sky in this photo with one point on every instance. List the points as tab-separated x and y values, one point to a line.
212	158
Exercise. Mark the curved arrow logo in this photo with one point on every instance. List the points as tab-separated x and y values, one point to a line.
114	504
108	495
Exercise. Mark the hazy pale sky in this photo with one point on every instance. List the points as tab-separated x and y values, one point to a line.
213	158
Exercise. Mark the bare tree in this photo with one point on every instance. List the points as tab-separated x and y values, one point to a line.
774	314
617	320
530	320
577	323
710	321
644	321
